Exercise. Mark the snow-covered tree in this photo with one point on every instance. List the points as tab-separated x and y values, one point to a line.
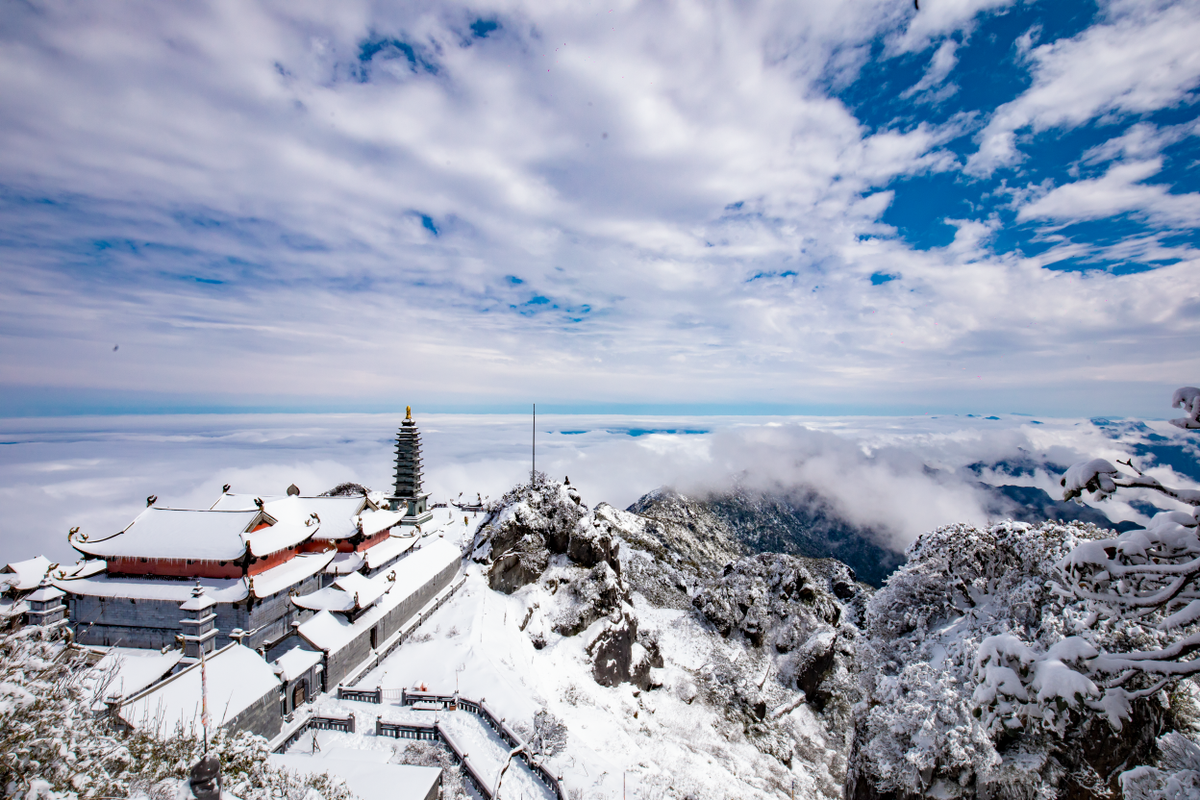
53	746
1142	584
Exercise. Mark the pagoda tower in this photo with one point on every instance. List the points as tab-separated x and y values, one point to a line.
408	494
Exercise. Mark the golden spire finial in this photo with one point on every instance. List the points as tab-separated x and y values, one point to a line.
408	413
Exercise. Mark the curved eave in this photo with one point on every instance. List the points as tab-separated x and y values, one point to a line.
279	536
98	550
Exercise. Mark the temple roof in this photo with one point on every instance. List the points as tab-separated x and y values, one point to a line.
330	632
337	515
177	533
24	575
237	676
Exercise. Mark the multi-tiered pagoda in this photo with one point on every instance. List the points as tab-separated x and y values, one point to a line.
409	495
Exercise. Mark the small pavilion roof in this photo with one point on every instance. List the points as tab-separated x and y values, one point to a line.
238	677
24	575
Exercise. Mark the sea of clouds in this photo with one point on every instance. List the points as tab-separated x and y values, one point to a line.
899	476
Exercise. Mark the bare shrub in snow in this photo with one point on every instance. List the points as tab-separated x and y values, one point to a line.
429	754
1145	581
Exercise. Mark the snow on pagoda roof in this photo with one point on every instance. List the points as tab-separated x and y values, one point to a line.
385	551
24	575
238	677
125	671
286	532
375	521
345	563
223	590
331	632
198	601
347	593
327	631
176	533
43	594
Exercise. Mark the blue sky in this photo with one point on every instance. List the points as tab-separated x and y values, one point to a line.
834	207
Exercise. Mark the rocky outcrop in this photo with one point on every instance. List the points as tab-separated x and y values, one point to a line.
527	526
773	601
620	655
591	596
593	541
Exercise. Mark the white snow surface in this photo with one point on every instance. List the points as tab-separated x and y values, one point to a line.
372	522
175	533
345	563
474	644
295	662
330	632
366	773
237	677
24	575
223	590
386	550
338	515
289	573
125	671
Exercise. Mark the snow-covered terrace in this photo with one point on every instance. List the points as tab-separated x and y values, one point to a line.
366	772
331	632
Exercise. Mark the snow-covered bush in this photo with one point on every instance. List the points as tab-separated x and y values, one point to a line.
47	733
972	674
432	754
51	741
546	736
1145	581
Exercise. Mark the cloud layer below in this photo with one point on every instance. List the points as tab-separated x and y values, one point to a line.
898	476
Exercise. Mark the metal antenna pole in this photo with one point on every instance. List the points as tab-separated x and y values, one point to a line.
533	471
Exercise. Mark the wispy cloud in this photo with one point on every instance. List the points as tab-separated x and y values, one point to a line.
311	205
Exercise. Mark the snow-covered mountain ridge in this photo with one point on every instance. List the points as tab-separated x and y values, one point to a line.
759	646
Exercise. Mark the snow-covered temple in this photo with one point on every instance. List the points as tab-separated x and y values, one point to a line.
281	597
251	554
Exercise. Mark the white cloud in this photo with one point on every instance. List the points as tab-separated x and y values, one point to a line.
1120	190
1143	59
151	151
937	18
1139	142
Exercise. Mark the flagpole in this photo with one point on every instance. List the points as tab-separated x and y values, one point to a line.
204	697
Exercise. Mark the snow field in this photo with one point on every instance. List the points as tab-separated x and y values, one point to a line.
622	741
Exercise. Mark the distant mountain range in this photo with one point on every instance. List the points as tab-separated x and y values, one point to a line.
802	522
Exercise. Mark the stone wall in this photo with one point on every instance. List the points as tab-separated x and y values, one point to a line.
154	624
264	716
